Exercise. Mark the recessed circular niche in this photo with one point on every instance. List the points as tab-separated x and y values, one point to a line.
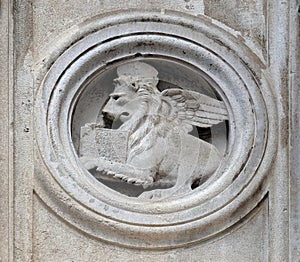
172	76
189	54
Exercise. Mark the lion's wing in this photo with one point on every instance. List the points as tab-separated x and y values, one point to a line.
196	109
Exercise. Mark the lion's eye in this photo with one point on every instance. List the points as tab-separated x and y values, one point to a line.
116	97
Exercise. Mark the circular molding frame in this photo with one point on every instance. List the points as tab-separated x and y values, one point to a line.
103	42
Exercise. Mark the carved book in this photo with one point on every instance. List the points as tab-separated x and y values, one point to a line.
110	144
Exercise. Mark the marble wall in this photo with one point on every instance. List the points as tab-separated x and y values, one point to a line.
58	61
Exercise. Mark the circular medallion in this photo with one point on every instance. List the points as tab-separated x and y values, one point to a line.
154	129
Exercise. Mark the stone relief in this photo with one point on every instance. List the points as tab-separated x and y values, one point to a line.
190	53
152	145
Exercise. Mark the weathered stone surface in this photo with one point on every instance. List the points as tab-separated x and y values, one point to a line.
295	134
58	60
247	17
6	80
234	246
52	18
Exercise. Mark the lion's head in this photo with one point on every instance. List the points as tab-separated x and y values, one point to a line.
137	103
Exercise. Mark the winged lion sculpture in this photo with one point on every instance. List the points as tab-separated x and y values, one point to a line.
153	145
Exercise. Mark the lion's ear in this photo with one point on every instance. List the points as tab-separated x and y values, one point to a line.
196	109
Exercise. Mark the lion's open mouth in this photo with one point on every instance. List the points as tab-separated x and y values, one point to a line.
114	122
108	120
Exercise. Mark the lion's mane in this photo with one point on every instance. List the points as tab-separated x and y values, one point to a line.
153	120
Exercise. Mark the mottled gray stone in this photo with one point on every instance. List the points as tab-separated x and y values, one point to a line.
58	60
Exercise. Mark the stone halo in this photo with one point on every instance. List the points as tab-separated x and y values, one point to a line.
236	188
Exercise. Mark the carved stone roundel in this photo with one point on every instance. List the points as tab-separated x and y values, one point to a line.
152	129
151	139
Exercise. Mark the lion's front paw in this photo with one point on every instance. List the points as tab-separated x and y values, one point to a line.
120	176
118	171
127	173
